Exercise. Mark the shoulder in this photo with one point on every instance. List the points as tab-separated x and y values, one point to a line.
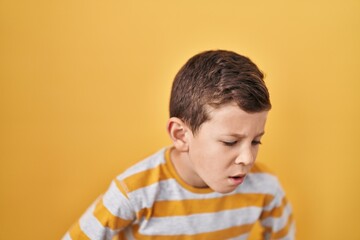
148	163
141	184
143	173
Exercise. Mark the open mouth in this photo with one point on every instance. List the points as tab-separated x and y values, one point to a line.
237	179
238	176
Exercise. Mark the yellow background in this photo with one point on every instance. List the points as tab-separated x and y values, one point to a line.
85	86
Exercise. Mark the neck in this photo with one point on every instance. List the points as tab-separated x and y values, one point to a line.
185	168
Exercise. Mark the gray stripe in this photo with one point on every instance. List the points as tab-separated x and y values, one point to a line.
278	223
93	228
291	233
199	223
148	163
117	203
170	189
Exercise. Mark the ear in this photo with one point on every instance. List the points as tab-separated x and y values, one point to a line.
178	132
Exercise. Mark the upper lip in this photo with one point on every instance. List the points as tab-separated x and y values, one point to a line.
239	175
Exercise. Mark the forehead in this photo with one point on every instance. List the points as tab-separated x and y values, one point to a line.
231	118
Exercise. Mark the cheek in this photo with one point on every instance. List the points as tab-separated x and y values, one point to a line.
213	159
203	158
207	154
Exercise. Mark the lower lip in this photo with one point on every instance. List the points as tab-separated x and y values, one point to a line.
236	181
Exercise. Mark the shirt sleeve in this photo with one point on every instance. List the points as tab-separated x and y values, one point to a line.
277	218
106	217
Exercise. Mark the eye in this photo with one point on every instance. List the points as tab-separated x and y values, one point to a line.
256	142
229	144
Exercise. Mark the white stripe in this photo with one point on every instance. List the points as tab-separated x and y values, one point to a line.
278	223
117	203
276	202
266	184
147	163
66	237
93	228
172	190
129	235
259	183
199	223
291	233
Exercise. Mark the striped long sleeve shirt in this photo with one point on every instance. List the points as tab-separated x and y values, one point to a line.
150	201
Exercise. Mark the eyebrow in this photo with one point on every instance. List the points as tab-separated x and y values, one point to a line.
260	134
242	135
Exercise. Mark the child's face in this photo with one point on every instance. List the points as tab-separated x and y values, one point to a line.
224	149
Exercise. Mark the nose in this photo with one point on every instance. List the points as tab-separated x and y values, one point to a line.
245	157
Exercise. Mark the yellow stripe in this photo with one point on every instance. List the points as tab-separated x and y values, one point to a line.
275	212
146	178
120	236
221	234
283	232
107	219
197	206
76	232
122	188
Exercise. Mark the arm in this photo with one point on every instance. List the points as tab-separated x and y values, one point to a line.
277	218
106	217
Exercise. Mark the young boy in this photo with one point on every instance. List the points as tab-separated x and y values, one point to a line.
207	185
